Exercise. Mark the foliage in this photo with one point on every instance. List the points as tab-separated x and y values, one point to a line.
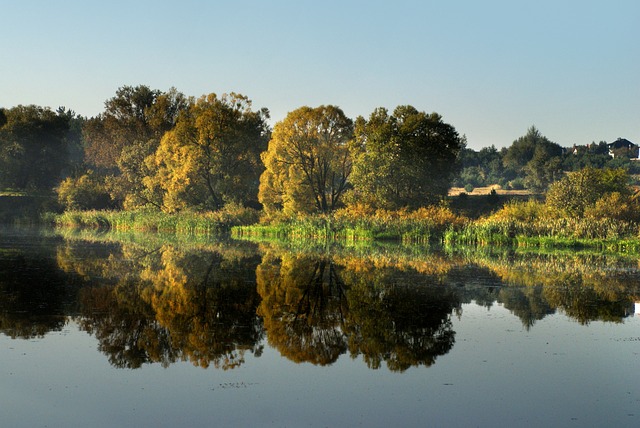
406	159
33	148
83	193
580	190
129	130
481	168
536	158
307	162
212	156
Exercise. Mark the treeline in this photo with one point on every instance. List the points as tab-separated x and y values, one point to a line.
165	151
534	162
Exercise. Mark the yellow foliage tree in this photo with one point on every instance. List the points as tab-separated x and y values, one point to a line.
212	156
307	162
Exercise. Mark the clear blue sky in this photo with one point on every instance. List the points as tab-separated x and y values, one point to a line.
490	68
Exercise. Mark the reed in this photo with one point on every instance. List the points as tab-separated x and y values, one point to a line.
354	224
185	223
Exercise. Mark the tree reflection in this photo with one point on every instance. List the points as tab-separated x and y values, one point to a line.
314	311
212	303
34	296
400	317
167	305
527	303
208	304
303	306
585	287
126	330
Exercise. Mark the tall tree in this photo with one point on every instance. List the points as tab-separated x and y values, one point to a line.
33	148
404	159
535	158
120	139
307	162
212	156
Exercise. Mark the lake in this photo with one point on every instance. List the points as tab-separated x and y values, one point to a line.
143	330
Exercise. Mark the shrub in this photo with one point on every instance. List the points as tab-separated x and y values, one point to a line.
613	206
83	193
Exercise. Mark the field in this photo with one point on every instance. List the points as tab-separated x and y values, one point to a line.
479	191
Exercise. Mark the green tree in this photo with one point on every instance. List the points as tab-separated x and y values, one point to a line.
534	158
307	162
33	148
404	159
212	156
544	168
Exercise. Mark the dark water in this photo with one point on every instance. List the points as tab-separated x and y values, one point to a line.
138	331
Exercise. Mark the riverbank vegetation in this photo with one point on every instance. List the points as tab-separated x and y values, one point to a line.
165	162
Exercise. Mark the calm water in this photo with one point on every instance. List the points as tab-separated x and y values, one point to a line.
136	331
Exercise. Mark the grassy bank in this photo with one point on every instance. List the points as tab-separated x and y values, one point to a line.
184	223
517	224
352	224
531	224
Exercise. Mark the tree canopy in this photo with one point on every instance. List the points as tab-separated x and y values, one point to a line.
404	159
129	130
212	156
307	162
33	147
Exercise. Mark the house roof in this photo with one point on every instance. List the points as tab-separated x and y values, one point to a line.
621	143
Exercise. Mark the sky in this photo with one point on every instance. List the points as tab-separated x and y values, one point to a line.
490	68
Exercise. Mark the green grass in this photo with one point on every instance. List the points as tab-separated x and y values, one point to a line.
185	223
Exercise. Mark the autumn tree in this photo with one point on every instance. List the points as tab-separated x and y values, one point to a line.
212	156
407	158
128	131
307	162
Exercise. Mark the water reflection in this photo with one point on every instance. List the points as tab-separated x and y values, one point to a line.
303	306
168	304
152	301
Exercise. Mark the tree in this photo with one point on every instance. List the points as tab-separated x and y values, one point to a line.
579	190
119	140
404	159
123	122
535	158
33	148
212	156
307	162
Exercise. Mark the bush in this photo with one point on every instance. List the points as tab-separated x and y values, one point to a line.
580	191
613	206
83	193
468	188
517	184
